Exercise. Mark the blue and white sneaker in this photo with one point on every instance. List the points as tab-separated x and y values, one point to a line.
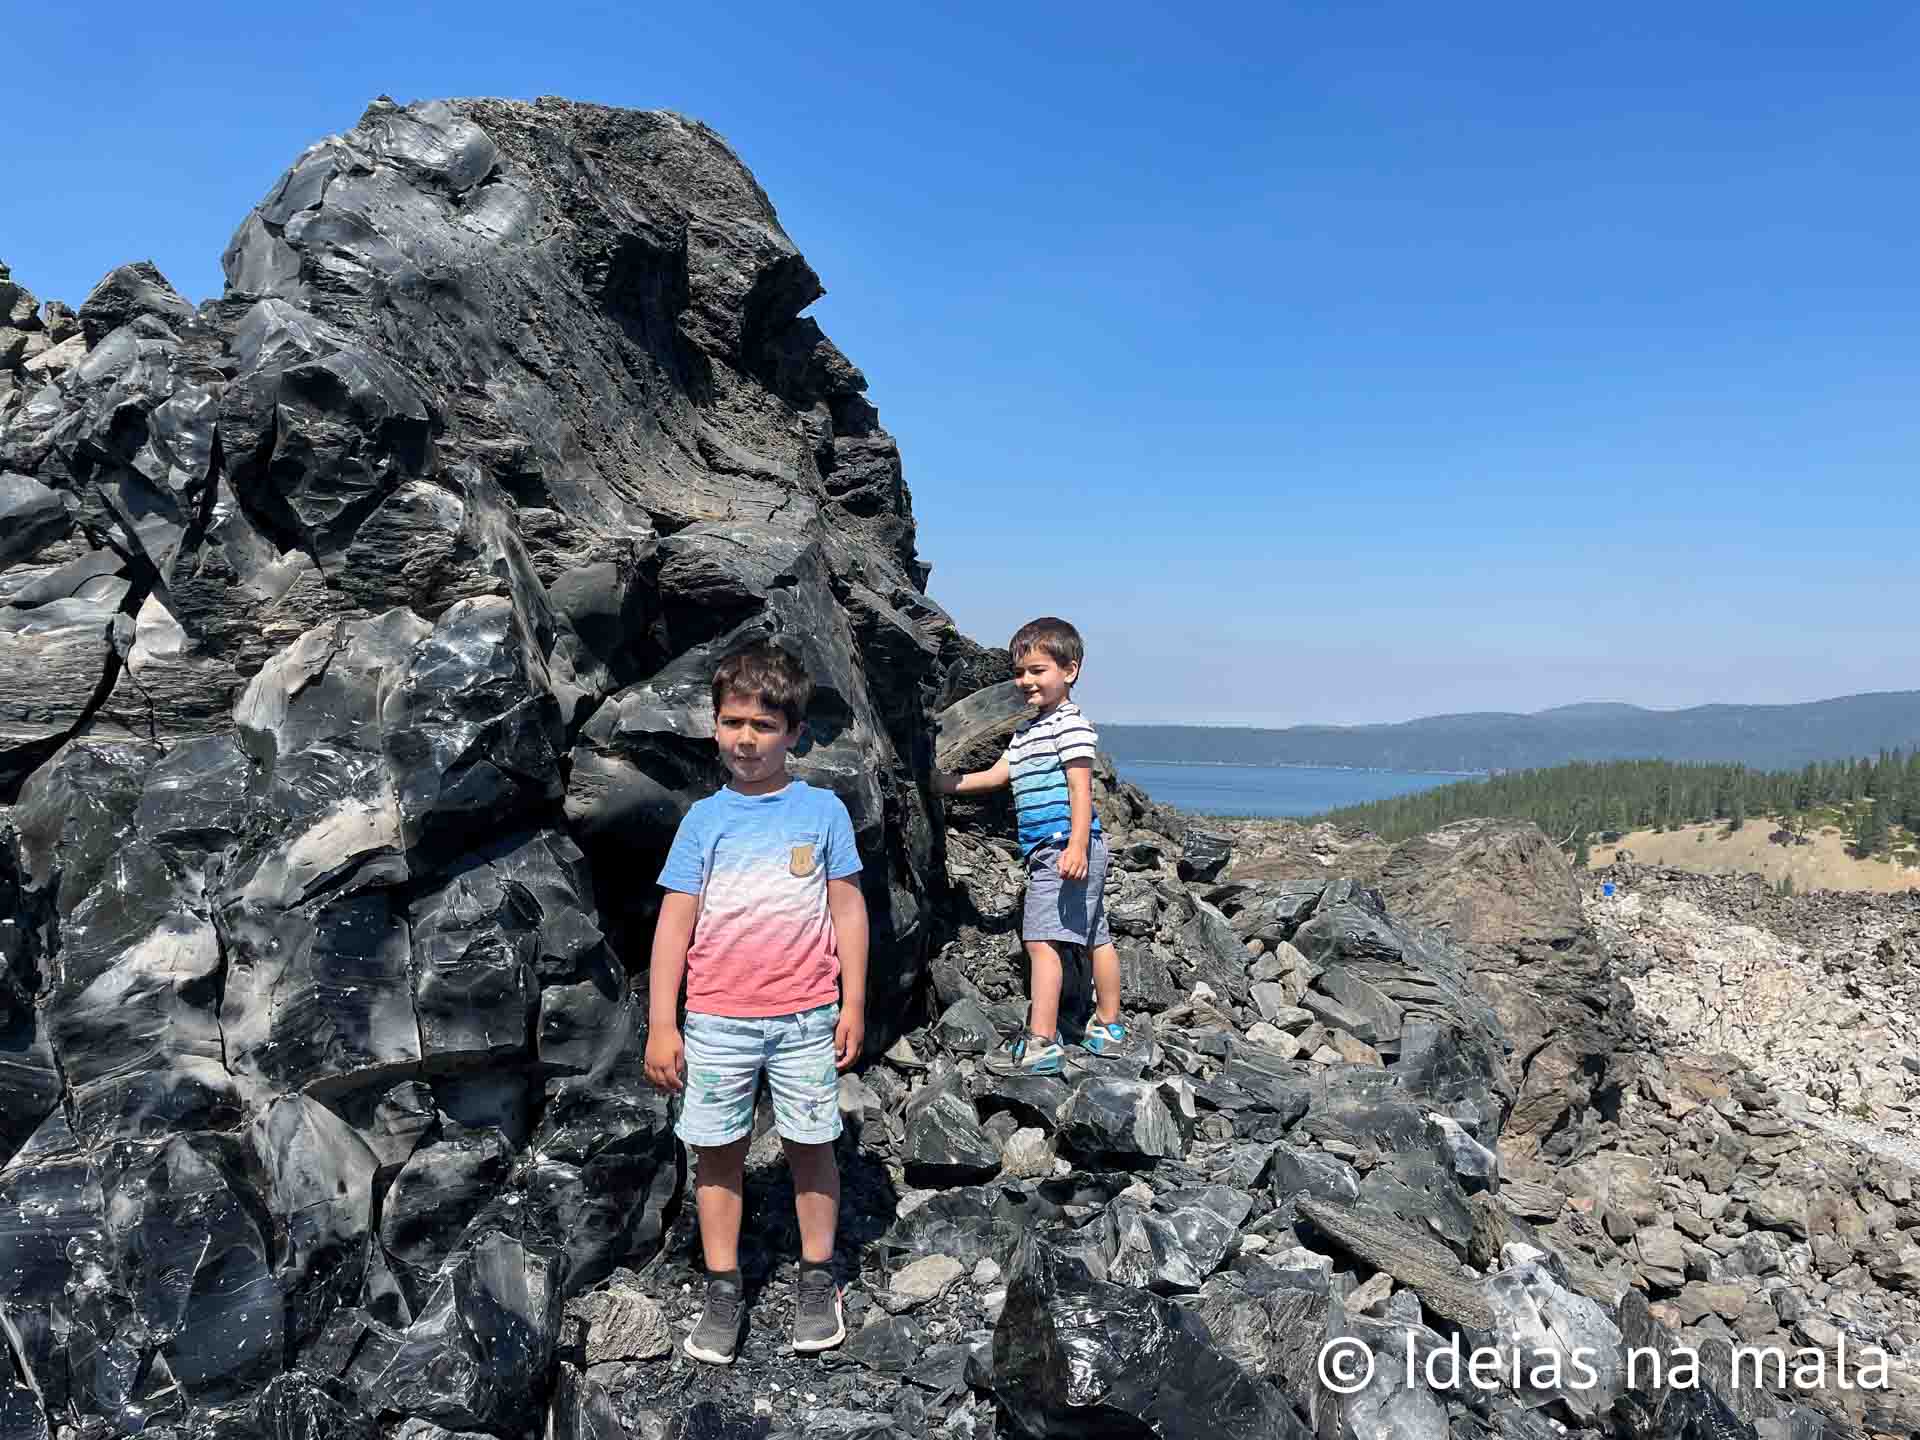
1105	1041
1023	1055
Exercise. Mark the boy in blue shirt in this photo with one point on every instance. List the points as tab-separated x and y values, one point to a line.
1049	763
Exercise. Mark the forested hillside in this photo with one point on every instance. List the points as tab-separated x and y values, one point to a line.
1574	803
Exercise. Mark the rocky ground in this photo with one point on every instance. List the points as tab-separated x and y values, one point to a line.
1248	1172
1818	993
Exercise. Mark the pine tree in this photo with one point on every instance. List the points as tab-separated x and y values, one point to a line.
1805	787
1738	809
1869	828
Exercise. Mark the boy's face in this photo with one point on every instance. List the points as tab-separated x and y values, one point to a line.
754	742
1042	680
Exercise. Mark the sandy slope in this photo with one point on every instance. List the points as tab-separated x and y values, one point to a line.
1708	849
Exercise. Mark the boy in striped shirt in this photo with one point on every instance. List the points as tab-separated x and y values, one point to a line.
1049	763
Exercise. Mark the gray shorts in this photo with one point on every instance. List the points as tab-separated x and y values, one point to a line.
1073	912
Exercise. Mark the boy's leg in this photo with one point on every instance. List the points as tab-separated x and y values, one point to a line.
1106	984
1037	1052
1043	923
1100	951
1105	1036
719	1187
1043	989
716	1122
816	1198
819	1317
805	1081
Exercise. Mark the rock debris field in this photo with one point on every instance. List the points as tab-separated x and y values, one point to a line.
354	636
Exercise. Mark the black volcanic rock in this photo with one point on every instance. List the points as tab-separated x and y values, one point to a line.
1073	1356
355	630
1501	895
945	1141
1120	1120
32	517
126	293
1203	855
1179	1241
370	418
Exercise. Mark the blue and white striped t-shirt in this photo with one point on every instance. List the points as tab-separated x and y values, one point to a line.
1037	765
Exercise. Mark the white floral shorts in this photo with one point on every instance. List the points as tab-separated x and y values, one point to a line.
725	1055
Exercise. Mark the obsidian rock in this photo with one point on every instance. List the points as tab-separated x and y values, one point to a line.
1030	1099
965	1028
407	560
127	292
1121	1120
945	1141
1179	1241
1073	1356
892	1345
1203	855
967	1223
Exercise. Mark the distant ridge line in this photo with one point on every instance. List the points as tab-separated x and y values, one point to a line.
1771	737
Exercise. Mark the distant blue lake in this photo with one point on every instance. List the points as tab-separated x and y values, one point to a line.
1271	790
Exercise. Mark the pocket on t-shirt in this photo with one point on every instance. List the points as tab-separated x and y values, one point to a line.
806	854
805	857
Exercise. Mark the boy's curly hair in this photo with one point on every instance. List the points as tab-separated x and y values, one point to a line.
768	675
1051	636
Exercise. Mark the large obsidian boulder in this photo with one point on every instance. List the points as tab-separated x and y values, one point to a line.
1077	1356
1500	894
355	632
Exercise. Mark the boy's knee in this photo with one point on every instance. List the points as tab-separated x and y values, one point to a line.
810	1155
719	1161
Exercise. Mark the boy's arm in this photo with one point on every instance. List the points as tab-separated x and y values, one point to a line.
666	1055
849	910
989	779
1073	861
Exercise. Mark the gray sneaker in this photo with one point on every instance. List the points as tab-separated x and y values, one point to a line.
717	1336
818	1321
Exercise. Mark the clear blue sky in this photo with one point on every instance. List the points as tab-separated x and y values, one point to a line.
1326	362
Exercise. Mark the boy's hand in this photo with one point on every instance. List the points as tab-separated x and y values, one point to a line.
666	1058
945	783
1073	863
847	1038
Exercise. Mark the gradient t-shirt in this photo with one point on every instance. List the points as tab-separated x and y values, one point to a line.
763	941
